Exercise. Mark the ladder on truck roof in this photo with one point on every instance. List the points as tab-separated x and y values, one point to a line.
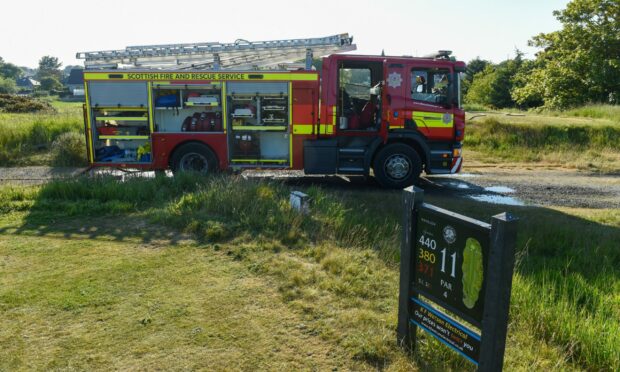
241	54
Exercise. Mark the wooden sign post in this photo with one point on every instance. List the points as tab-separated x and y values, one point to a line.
453	264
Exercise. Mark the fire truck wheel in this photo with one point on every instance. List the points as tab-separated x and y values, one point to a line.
397	166
193	157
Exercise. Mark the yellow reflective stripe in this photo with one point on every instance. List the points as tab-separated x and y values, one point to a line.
258	161
303	128
189	76
325	128
272	161
121	118
224	108
90	132
433	119
170	84
116	108
151	119
124	137
257	128
290	122
330	130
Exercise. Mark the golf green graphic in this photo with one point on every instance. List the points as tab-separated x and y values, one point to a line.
472	272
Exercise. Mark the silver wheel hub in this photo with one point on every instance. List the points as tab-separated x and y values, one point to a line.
194	162
397	167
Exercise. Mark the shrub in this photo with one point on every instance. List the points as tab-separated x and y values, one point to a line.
69	150
7	86
41	93
18	104
50	83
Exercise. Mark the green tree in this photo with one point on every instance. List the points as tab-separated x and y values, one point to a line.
49	67
494	84
50	83
481	87
579	63
520	84
474	66
7	86
9	70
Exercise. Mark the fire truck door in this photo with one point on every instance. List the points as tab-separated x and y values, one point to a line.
428	107
393	94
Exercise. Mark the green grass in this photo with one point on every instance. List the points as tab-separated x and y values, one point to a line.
608	113
66	107
335	271
469	107
593	111
25	139
585	143
100	304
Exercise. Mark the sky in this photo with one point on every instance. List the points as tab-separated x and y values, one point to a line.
489	29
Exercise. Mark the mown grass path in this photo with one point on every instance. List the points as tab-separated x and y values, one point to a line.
87	300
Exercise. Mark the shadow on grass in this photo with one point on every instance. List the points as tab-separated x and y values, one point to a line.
113	228
92	208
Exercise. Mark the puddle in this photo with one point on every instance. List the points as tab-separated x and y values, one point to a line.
452	184
464	175
125	176
500	189
456	185
497	199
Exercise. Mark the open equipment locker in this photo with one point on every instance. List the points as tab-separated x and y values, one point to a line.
121	126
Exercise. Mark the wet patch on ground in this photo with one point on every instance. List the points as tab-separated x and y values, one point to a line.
564	188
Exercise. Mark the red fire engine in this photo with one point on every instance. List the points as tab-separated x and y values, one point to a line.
392	117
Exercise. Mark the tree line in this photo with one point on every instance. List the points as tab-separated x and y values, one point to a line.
577	65
48	74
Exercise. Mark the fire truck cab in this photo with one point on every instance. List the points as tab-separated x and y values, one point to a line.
396	116
391	117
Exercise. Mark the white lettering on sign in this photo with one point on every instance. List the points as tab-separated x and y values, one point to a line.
428	242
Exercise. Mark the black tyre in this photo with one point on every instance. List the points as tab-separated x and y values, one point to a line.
397	166
193	157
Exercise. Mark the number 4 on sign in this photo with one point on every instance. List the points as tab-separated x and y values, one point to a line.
445	294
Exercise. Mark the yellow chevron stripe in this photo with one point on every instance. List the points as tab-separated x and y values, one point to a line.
433	119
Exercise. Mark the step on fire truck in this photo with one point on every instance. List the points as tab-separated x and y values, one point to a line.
213	106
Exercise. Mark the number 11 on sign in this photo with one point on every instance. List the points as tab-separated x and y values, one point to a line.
443	262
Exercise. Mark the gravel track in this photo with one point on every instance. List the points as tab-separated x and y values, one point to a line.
548	187
519	185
